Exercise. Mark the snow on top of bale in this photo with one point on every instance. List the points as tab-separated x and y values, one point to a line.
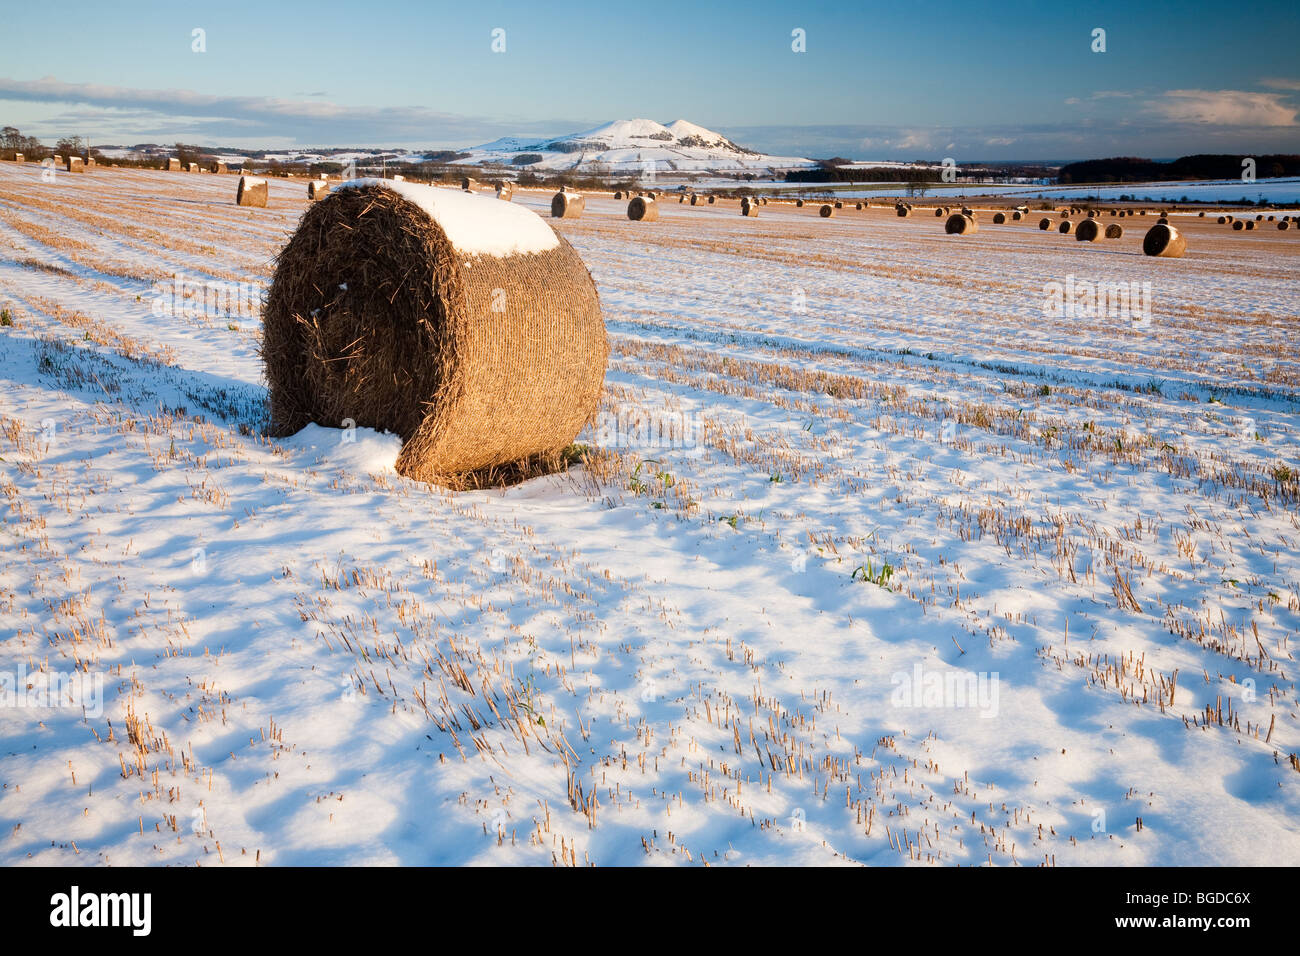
475	225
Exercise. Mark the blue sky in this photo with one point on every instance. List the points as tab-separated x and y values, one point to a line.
897	80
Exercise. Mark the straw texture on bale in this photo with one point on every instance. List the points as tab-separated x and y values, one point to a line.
1114	231
959	224
567	205
1089	231
748	207
643	209
1284	225
217	167
317	189
475	361
251	192
1164	241
75	164
173	165
828	210
999	218
1044	223
1065	228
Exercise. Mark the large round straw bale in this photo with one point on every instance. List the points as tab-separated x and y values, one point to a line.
694	199
173	165
839	204
999	218
1089	231
1283	224
960	224
903	211
618	194
828	210
251	192
1164	241
1065	228
567	205
1201	214
1259	218
643	209
938	212
1223	220
1017	215
1250	224
712	199
798	203
505	191
1044	223
1232	219
75	164
466	326
1239	225
1114	231
858	206
1065	214
748	207
317	189
469	185
681	199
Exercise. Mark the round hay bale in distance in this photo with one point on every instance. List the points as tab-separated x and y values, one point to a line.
1239	225
465	326
251	191
1017	215
317	189
1114	231
567	205
1250	224
828	210
959	224
1164	241
643	209
1065	228
999	218
748	207
1223	220
1044	223
798	203
1283	225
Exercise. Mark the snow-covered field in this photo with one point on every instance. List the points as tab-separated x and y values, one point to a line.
880	559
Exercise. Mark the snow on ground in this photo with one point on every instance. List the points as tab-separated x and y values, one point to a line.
879	560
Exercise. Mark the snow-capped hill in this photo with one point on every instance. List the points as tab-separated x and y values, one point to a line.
689	133
632	147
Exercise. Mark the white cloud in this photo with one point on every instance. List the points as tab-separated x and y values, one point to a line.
1225	108
1280	83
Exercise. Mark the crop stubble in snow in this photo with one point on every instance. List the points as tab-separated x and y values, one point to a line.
689	649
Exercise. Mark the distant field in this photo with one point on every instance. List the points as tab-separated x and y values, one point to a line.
876	558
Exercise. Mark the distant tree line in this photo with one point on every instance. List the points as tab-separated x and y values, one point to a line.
1132	169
